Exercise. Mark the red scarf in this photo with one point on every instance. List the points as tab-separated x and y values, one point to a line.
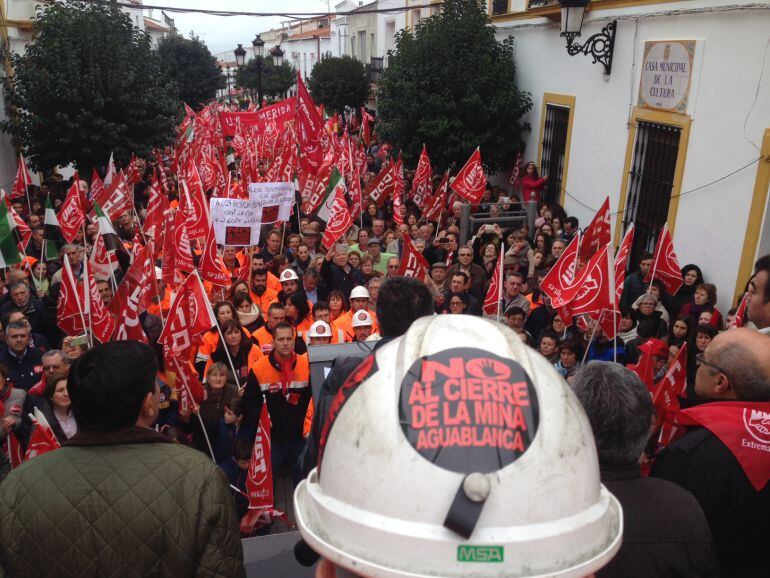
744	427
287	371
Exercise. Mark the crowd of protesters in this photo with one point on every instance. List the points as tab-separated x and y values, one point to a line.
296	295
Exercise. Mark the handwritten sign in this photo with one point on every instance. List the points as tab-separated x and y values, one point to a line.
275	199
467	410
666	73
236	222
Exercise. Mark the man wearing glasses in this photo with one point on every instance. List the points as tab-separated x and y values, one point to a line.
735	369
476	272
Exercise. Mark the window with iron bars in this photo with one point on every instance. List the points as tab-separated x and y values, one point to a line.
650	182
499	7
554	148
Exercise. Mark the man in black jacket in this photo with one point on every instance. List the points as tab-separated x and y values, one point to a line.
400	302
664	530
635	286
734	368
340	274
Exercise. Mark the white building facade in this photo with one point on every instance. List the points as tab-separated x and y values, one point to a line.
678	133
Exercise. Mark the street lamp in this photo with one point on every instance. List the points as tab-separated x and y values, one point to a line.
240	55
600	46
227	78
277	55
259	46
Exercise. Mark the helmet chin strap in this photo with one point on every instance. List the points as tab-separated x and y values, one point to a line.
468	503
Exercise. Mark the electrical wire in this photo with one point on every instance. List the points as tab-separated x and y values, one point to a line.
682	194
291	15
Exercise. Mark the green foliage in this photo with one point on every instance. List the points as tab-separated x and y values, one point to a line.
89	85
276	80
190	64
337	82
450	85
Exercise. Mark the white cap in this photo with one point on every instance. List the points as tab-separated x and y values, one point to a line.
362	318
320	329
158	273
288	275
499	480
359	292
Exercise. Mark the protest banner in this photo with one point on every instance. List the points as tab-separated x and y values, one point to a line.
273	199
236	222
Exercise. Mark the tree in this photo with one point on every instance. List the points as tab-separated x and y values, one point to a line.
339	82
450	85
190	64
276	80
90	84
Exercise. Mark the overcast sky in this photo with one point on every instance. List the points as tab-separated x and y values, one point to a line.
225	33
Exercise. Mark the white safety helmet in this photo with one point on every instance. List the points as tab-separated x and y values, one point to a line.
457	451
359	292
320	329
362	318
288	275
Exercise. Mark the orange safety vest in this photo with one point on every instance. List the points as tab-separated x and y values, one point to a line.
345	323
269	377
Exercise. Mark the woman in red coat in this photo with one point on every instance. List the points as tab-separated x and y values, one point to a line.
531	183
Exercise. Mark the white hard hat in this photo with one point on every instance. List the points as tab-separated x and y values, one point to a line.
362	318
320	329
457	451
288	275
359	292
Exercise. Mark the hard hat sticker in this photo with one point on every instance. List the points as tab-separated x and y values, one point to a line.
467	410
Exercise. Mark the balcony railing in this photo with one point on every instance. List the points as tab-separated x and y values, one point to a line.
541	3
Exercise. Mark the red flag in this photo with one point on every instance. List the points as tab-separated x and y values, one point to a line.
157	205
13	449
22	181
399	210
740	314
492	301
621	261
645	367
193	203
597	234
169	250
339	221
22	229
558	282
42	439
515	179
259	483
182	251
421	184
188	386
102	323
412	264
309	127
137	285
319	185
664	263
665	399
71	215
97	190
356	199
744	427
69	312
117	199
379	185
470	182
596	291
437	202
189	316
212	266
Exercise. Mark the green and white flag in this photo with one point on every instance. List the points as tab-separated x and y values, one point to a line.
109	236
9	252
52	232
335	182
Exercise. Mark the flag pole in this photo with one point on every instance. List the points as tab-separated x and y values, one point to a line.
657	256
593	334
87	297
613	296
200	419
219	330
500	280
68	267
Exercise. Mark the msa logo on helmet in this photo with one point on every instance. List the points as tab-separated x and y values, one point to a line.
757	423
467	410
467	553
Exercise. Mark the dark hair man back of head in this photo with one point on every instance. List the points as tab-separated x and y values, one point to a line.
109	384
400	302
665	532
